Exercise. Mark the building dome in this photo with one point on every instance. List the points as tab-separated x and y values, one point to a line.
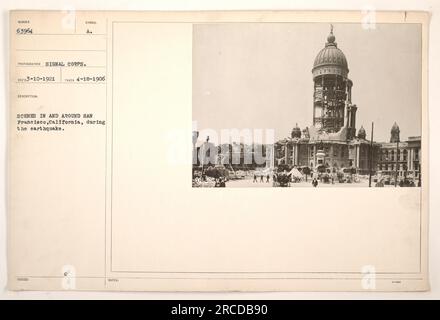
395	133
330	60
361	133
330	55
395	128
296	132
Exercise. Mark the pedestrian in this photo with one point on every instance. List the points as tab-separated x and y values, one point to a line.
267	178
261	178
255	177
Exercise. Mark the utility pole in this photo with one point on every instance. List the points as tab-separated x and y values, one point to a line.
370	160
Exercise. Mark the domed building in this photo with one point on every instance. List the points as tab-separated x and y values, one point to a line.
395	133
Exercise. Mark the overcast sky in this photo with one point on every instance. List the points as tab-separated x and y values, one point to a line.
259	75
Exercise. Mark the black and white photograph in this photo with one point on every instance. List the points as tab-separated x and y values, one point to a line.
307	105
318	125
